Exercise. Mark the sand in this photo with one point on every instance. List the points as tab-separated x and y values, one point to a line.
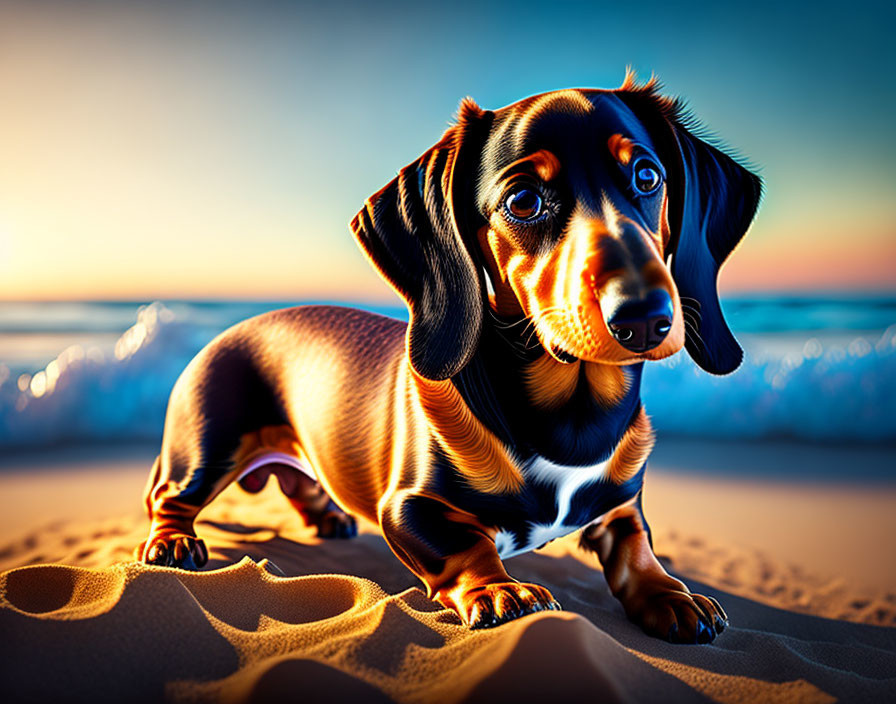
806	574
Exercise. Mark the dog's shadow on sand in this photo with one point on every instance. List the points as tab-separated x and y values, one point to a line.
762	641
366	555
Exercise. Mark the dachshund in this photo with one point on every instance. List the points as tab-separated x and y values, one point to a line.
545	251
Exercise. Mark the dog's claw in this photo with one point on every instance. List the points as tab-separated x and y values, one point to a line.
496	604
678	616
158	554
720	624
720	616
182	551
705	633
484	620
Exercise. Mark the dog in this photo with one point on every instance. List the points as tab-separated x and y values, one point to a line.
545	250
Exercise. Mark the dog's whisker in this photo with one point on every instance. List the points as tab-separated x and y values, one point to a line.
504	325
547	314
692	314
691	318
511	326
533	333
691	323
528	324
694	337
696	343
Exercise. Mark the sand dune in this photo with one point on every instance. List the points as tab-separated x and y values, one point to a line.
280	612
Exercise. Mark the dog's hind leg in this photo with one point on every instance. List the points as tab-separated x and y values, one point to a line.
308	498
217	400
172	507
175	494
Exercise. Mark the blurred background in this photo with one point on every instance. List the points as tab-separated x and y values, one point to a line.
167	169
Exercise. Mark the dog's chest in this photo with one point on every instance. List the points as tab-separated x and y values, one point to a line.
560	483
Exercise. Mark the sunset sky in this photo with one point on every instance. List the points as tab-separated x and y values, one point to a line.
164	150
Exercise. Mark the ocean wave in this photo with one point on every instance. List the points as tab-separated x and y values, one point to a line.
829	392
840	391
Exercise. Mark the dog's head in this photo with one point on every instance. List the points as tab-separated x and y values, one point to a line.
595	214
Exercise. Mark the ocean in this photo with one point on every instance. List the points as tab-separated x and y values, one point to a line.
817	368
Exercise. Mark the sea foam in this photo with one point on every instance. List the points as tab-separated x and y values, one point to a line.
818	391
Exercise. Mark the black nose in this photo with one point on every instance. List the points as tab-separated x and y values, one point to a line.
641	325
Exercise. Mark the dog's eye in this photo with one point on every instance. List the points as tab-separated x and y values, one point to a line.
524	204
646	176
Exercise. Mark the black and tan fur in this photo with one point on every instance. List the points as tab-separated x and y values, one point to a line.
496	419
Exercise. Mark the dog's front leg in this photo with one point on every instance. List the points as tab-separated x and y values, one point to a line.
455	557
662	605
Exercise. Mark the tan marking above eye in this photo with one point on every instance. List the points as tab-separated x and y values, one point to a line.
621	148
545	165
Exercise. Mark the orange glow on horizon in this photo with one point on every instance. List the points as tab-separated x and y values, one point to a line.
184	158
780	264
765	264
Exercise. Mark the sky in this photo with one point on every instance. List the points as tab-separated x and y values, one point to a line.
219	150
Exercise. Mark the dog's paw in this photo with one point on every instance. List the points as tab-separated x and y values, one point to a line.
336	524
176	550
679	616
494	604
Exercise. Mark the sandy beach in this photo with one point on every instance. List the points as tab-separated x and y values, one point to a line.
806	572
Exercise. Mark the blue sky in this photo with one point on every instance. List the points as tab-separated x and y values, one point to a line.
220	149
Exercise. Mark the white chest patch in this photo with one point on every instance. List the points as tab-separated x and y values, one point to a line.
565	481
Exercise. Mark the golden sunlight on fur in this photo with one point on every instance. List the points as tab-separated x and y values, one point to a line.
476	452
633	449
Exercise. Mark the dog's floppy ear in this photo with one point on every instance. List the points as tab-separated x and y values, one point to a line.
416	231
712	200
